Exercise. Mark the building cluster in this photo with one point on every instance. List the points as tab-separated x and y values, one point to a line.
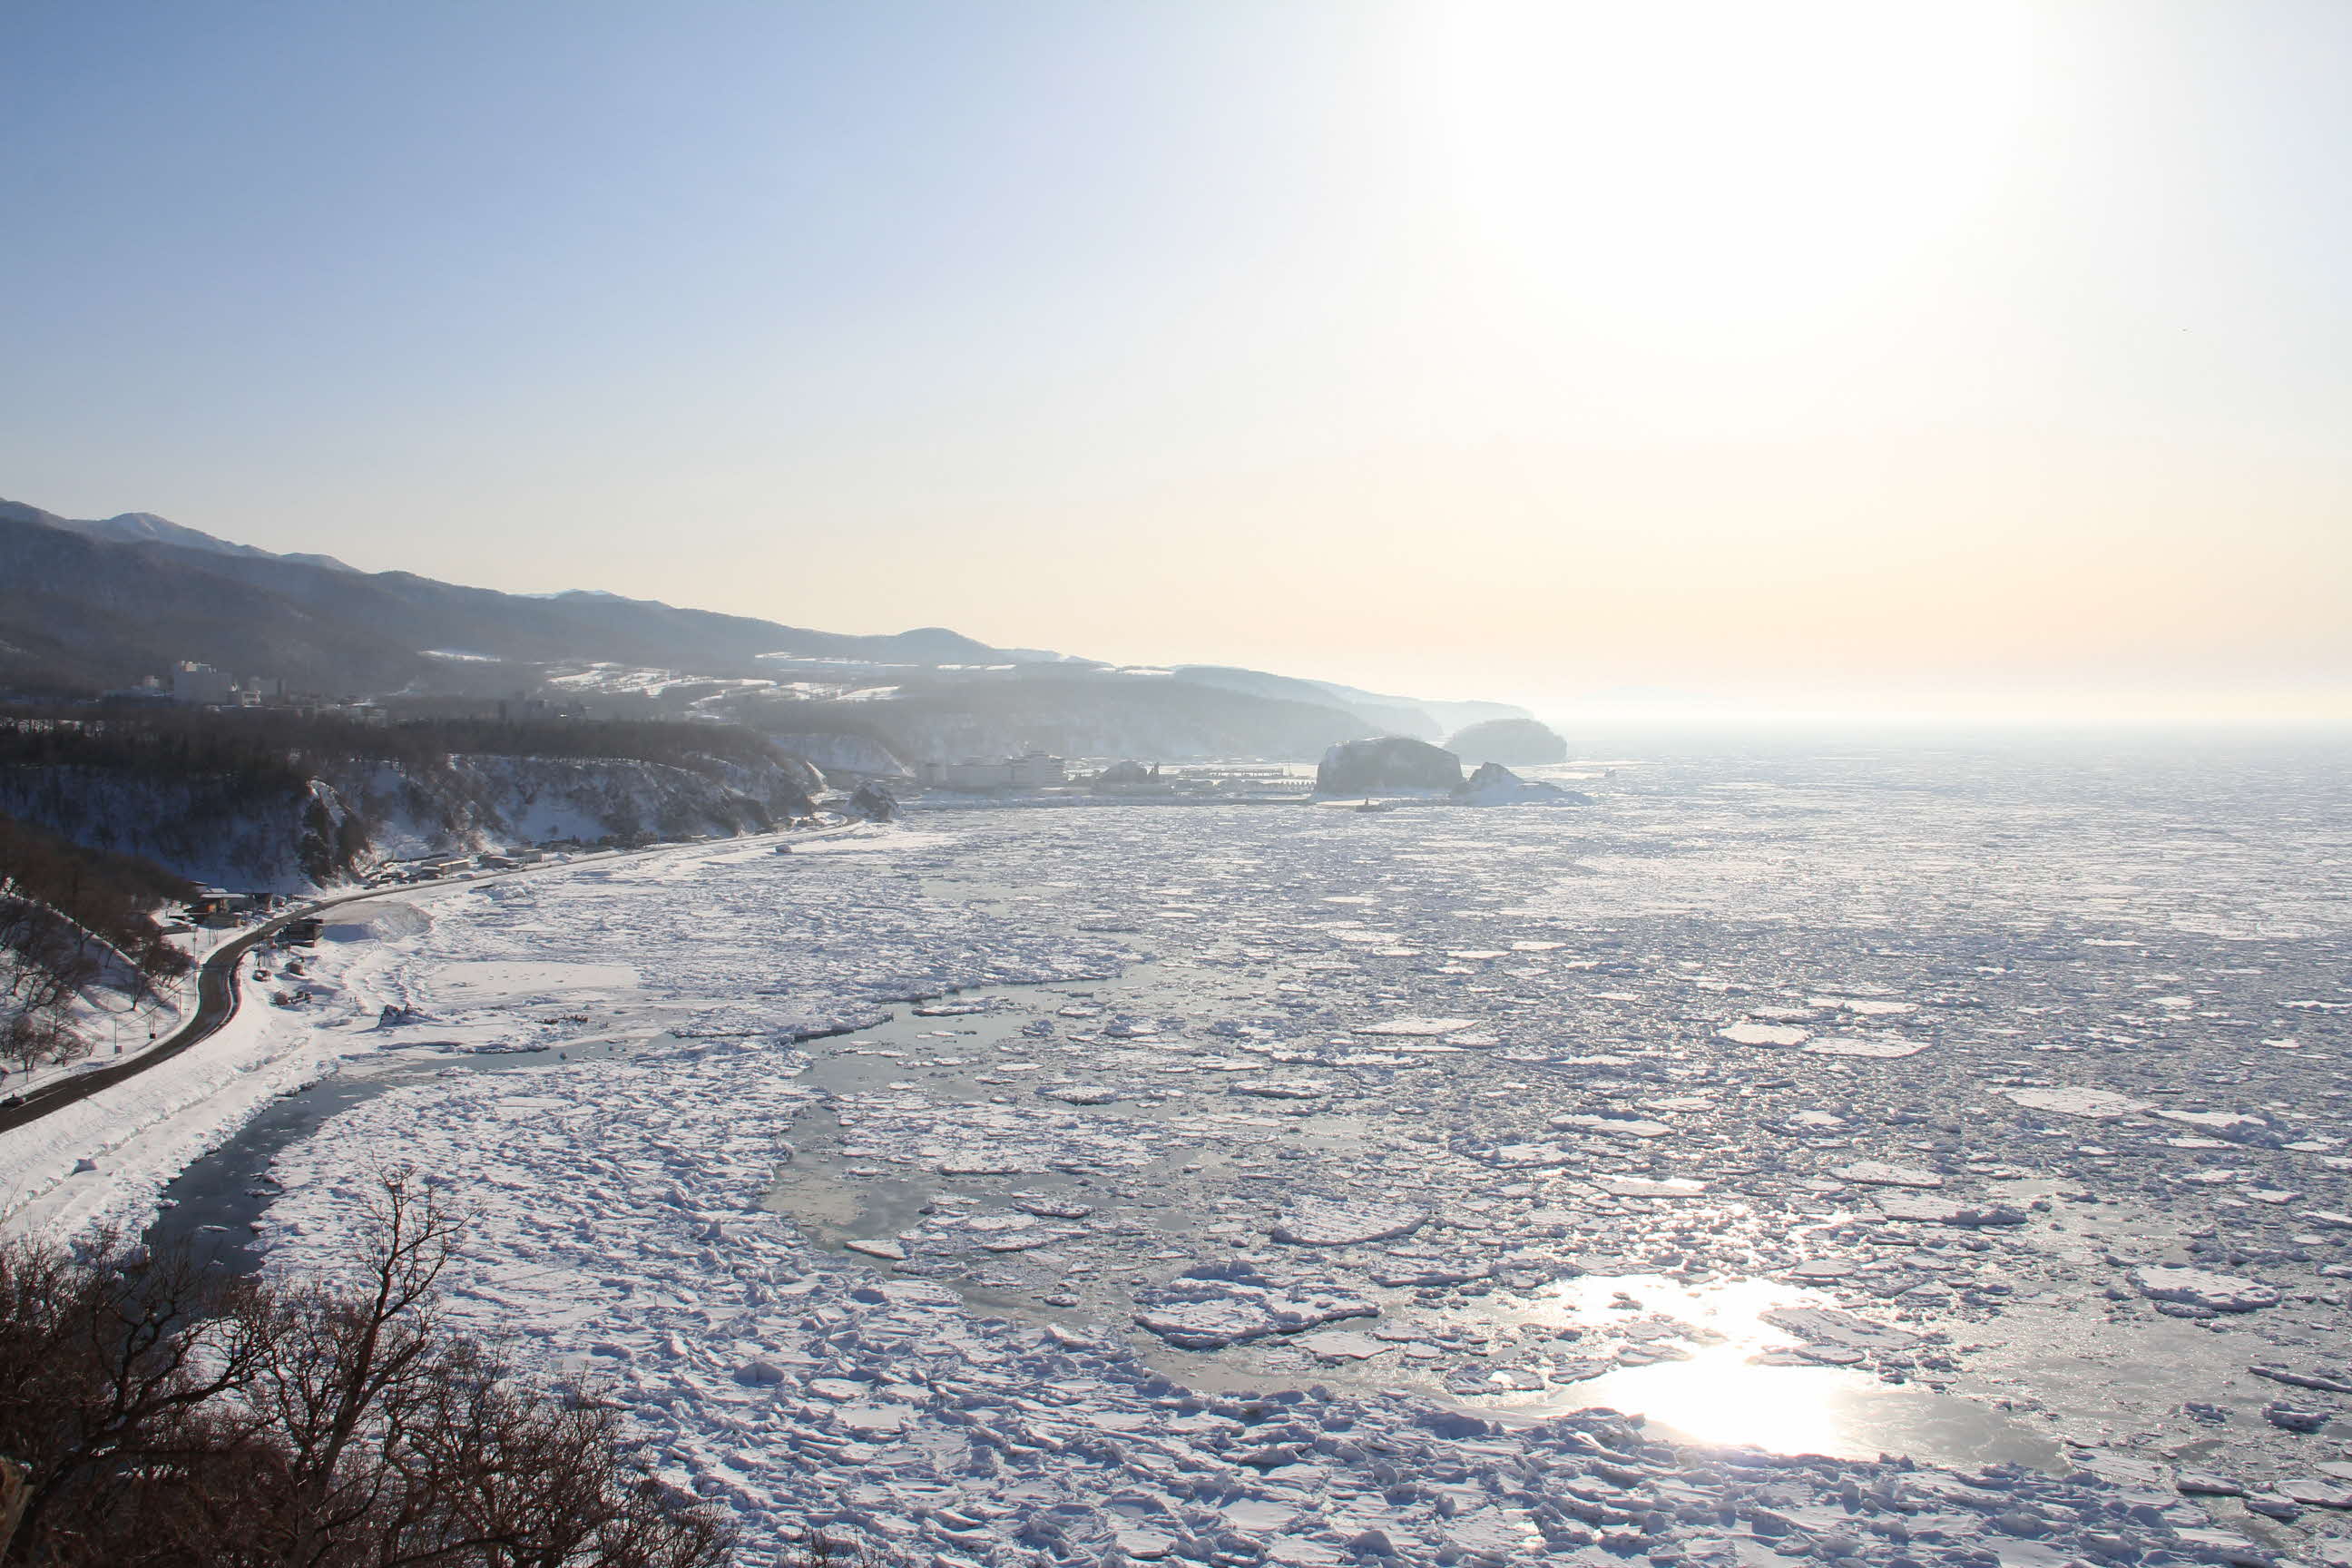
217	908
195	685
1220	781
434	868
1033	770
1037	771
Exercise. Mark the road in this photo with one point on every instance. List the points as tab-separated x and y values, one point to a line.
217	979
216	997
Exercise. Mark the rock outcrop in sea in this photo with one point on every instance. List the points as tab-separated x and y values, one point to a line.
874	802
1495	785
1386	762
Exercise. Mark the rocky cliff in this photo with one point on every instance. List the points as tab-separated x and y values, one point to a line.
345	818
1384	763
1495	785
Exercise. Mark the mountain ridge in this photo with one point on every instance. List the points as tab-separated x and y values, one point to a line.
147	527
89	607
81	612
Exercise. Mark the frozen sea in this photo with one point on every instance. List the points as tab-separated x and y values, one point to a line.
1277	1183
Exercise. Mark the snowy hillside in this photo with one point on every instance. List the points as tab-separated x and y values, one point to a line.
1075	713
146	528
209	827
66	992
95	606
348	816
482	802
845	754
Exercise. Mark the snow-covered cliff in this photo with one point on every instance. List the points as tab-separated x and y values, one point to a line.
845	753
345	818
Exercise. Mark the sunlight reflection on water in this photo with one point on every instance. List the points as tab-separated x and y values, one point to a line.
1720	1395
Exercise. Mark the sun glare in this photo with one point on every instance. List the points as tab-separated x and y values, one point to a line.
1713	160
1717	1395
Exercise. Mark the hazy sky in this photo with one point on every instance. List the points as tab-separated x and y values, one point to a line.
1796	355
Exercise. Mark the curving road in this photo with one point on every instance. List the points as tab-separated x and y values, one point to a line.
217	977
216	1005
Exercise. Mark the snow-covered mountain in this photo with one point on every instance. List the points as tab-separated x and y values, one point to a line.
87	606
146	528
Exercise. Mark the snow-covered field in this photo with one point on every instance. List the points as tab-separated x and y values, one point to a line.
103	1162
1284	1183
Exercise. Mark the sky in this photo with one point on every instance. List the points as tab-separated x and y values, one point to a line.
1977	358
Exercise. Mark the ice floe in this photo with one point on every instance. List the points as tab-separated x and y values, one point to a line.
1313	1221
932	1248
1764	1035
2198	1288
1222	1304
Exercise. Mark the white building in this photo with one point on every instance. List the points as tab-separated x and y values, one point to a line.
1033	770
200	683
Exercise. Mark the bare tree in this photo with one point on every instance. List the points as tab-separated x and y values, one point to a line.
109	1371
46	963
167	1417
347	1367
